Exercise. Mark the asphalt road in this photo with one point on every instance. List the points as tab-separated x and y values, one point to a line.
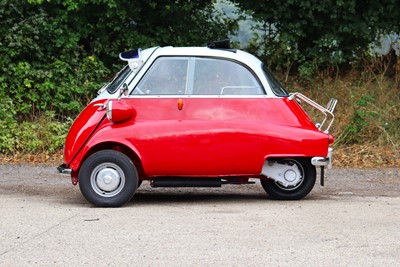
353	221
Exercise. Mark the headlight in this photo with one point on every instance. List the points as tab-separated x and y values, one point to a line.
119	111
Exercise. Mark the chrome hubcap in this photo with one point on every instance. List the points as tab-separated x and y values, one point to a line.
107	179
288	174
291	176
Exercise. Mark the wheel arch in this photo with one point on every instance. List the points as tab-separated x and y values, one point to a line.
278	157
133	155
272	157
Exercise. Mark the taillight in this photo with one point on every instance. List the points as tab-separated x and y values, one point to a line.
331	139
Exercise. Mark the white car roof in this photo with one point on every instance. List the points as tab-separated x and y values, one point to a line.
233	54
252	62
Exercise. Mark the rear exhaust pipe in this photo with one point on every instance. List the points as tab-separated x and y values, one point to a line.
185	182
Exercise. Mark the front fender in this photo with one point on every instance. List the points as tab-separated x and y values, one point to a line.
82	129
103	138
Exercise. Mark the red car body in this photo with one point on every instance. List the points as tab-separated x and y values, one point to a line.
188	137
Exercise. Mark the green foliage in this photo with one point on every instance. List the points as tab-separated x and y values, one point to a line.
7	123
44	135
42	65
360	120
323	32
307	71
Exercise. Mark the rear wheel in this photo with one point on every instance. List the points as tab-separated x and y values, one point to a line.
305	181
108	179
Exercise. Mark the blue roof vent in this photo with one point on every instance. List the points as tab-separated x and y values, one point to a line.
134	59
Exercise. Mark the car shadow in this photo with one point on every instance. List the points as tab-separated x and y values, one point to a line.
193	197
68	195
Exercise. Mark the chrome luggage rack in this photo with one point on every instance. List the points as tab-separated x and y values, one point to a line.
328	111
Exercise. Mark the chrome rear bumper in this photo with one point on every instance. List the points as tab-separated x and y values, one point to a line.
323	161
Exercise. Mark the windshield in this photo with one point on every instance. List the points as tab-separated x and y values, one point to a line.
276	87
116	82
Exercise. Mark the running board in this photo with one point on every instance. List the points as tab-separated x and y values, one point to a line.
193	182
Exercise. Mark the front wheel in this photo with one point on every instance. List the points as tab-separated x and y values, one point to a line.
108	179
304	182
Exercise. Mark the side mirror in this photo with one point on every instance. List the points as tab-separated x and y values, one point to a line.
123	91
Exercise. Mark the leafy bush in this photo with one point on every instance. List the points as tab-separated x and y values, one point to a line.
46	135
307	71
360	120
7	123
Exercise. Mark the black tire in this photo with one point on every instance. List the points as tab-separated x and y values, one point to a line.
277	191
108	178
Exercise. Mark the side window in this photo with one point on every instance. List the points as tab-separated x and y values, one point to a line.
116	82
167	76
223	77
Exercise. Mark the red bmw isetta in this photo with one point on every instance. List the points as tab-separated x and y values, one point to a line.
196	117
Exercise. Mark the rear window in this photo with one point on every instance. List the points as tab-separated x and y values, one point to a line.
276	87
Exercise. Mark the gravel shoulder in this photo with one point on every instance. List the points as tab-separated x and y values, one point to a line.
44	180
353	221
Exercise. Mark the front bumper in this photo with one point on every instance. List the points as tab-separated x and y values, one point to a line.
63	169
323	161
